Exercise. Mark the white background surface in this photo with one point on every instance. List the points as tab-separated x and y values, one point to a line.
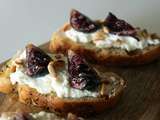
24	21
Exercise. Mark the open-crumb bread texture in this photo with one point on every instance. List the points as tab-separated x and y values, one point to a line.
85	106
108	56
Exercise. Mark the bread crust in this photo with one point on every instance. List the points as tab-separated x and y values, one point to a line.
6	86
79	106
5	83
60	43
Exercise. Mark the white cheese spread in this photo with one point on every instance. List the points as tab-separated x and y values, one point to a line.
79	37
110	40
47	83
42	115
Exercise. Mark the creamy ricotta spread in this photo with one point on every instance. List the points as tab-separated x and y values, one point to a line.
42	115
79	37
47	84
46	116
110	40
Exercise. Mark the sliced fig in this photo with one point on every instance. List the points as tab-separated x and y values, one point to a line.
118	26
82	23
81	75
36	60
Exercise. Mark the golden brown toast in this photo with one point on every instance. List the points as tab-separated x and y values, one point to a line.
79	106
59	43
109	89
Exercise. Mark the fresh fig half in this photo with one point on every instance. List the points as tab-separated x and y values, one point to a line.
36	60
81	74
82	23
118	26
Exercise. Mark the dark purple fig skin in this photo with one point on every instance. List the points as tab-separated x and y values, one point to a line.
36	61
82	23
81	75
118	26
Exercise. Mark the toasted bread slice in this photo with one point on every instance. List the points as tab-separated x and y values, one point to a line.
103	89
80	106
108	56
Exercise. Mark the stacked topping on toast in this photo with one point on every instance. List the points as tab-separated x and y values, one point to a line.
69	76
110	33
